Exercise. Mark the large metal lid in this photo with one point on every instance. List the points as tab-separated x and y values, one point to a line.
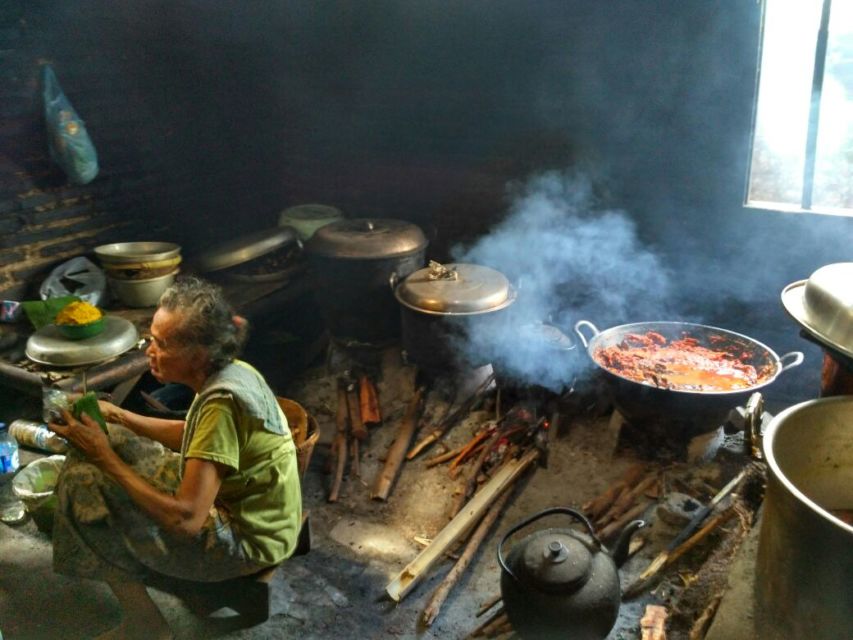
244	248
823	305
48	346
455	289
367	238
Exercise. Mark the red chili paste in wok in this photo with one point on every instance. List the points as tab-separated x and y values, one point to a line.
682	364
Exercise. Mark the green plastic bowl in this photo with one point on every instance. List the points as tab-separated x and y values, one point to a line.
80	331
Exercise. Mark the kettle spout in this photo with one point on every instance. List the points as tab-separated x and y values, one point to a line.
620	549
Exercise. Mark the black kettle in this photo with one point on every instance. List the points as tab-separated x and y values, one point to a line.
560	583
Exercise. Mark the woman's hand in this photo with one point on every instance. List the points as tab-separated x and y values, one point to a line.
86	435
111	412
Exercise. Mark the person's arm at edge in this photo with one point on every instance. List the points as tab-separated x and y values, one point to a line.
165	431
184	512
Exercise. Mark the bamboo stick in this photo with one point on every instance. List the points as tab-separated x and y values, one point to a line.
414	572
397	452
471	547
667	558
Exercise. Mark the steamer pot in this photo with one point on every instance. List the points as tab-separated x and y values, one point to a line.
443	307
352	261
805	551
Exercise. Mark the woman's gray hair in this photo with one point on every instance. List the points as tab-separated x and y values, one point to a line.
208	320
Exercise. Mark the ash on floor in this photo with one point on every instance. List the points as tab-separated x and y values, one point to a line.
360	544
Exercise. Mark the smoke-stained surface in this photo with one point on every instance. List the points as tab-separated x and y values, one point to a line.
571	259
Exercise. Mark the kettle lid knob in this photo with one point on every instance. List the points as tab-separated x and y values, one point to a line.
556	562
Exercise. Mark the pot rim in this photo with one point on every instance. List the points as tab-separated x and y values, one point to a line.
778	365
767	445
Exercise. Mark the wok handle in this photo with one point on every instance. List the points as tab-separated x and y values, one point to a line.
586	323
796	360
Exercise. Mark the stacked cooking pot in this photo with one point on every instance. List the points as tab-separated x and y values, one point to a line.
352	263
138	272
451	314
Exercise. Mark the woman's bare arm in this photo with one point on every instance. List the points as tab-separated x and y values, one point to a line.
166	432
182	513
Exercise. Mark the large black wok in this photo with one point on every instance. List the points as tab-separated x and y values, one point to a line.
698	411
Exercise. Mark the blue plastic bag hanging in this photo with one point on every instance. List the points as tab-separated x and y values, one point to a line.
69	143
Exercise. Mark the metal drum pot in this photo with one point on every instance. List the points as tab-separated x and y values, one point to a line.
697	411
444	306
805	550
352	262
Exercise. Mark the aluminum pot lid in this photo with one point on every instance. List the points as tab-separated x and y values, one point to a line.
48	346
365	238
244	248
455	289
823	305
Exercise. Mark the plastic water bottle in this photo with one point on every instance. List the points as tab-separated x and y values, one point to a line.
36	435
11	509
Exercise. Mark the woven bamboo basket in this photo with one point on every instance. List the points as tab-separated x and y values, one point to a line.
303	428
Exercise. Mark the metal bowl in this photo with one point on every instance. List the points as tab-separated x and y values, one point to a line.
136	252
823	305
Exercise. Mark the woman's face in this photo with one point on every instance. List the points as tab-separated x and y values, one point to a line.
168	358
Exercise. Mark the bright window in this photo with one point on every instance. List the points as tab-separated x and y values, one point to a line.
802	147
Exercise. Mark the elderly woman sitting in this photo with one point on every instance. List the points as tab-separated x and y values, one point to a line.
227	505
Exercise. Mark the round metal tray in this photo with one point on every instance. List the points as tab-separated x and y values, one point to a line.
48	346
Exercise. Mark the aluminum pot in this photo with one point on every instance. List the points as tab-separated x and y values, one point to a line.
442	307
805	550
696	411
352	262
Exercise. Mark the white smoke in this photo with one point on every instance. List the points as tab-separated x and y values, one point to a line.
570	260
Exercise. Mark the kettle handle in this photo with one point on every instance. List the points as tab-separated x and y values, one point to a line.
547	512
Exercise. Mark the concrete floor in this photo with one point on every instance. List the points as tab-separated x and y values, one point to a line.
359	545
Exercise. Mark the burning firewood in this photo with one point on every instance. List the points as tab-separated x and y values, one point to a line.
450	420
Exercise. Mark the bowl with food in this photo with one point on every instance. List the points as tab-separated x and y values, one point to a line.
79	320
